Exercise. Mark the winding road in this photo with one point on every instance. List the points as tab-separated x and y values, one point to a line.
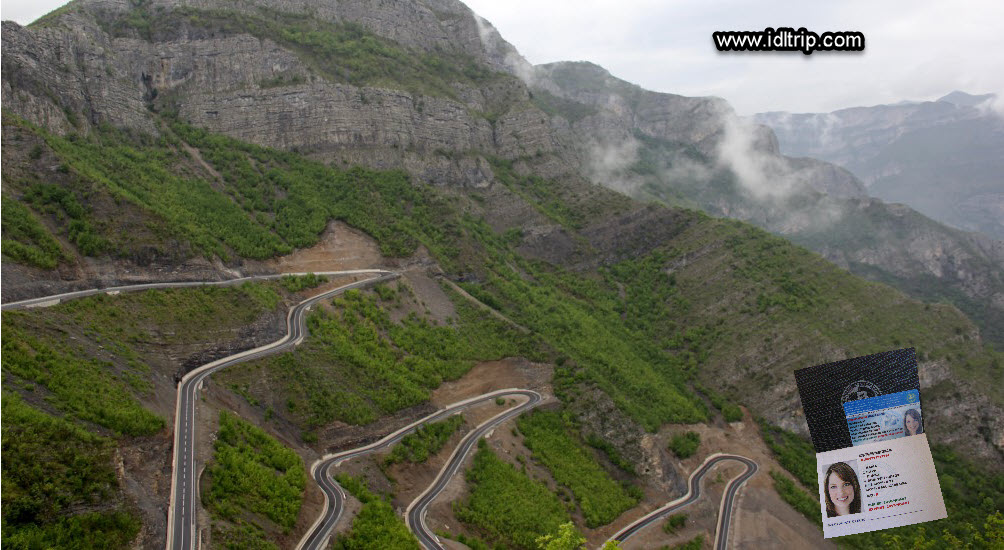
693	493
319	533
181	532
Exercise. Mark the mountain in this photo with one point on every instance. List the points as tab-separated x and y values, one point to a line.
175	140
942	158
696	153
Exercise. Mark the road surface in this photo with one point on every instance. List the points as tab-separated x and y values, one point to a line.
181	531
45	301
319	533
693	493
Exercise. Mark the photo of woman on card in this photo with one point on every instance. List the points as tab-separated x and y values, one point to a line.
912	423
843	493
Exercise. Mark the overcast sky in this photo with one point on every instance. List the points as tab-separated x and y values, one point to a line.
916	50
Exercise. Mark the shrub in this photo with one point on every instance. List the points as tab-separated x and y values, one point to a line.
685	445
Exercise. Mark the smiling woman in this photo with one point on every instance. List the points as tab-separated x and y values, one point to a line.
842	490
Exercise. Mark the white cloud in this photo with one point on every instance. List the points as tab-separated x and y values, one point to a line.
920	49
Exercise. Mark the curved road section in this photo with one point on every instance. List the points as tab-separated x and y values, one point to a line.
319	533
181	532
693	493
183	508
45	301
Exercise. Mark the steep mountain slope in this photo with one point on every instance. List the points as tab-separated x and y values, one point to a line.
174	140
695	152
942	157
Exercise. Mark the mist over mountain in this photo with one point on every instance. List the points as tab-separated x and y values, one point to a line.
944	158
695	152
651	263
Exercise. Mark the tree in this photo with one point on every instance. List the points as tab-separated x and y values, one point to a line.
567	538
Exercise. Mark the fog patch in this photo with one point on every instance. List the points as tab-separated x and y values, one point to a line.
609	164
762	174
496	46
993	106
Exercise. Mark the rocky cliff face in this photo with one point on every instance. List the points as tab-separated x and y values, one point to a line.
87	61
120	62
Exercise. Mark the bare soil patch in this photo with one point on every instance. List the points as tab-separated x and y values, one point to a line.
340	247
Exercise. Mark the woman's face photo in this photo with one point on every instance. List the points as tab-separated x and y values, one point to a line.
911	424
841	493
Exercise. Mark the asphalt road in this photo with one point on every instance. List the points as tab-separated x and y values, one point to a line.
319	533
44	301
415	515
181	531
693	493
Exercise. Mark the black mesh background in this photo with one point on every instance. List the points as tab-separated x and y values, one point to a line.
824	388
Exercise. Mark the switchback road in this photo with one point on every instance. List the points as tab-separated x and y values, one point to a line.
181	531
693	493
319	533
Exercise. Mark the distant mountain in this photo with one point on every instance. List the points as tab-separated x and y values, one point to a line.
696	152
172	140
944	158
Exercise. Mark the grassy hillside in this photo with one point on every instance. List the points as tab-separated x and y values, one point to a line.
716	304
359	364
80	379
506	505
376	525
255	485
59	484
600	497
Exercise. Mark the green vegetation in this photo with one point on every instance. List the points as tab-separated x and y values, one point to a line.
427	440
798	498
25	239
685	445
792	452
358	364
600	497
674	523
84	388
59	483
696	543
506	505
567	538
573	111
296	283
252	478
578	318
730	411
275	201
376	525
347	52
62	203
612	453
541	193
643	329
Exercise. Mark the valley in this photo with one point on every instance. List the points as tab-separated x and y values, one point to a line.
282	233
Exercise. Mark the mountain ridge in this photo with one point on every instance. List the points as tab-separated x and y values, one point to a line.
645	312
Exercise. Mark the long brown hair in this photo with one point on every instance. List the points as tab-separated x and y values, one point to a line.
914	414
845	473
